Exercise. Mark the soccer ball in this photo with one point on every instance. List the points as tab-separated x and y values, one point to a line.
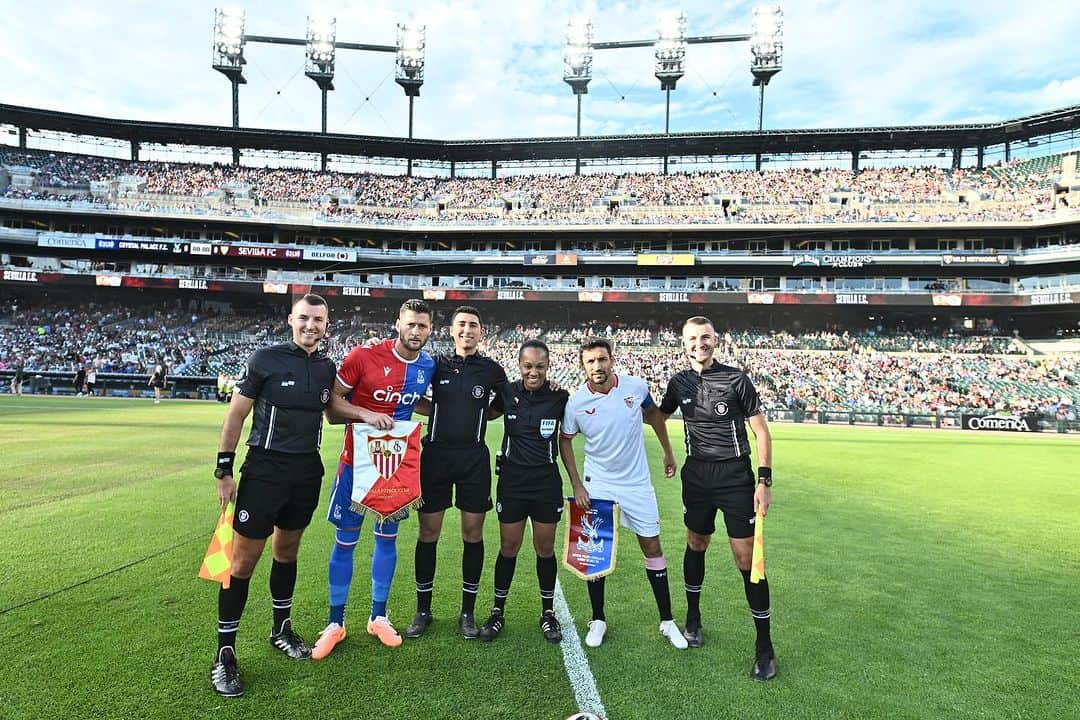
584	716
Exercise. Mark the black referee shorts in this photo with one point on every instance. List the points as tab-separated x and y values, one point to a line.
529	493
726	486
276	490
468	469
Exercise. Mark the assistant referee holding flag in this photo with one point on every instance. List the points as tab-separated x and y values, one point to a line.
716	402
288	386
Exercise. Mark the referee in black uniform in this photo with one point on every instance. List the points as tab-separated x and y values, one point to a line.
529	483
716	402
288	386
456	455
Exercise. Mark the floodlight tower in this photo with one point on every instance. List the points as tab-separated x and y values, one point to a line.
577	61
766	54
227	57
670	52
410	67
320	56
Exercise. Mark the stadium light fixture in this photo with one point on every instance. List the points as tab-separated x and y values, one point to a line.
766	53
577	62
670	49
228	48
227	57
578	56
320	55
670	52
409	74
321	49
410	58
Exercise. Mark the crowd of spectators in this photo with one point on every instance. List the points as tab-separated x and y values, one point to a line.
809	373
1014	191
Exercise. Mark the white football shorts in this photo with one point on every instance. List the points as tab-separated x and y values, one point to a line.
637	504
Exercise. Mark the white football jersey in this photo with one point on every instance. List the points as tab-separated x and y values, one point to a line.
612	425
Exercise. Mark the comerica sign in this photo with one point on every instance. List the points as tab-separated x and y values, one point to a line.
1010	423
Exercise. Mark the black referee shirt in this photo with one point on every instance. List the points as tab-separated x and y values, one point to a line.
290	389
460	395
715	405
530	423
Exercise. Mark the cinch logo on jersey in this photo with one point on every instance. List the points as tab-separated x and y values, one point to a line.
394	396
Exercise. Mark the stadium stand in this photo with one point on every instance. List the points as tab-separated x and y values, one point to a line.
1017	190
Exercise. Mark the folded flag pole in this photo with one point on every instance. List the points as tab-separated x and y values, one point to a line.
217	565
757	563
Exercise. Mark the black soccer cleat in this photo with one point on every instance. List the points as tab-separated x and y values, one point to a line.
692	633
467	623
225	674
290	643
419	624
494	625
764	666
549	625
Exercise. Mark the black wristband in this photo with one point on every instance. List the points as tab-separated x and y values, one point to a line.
225	462
764	475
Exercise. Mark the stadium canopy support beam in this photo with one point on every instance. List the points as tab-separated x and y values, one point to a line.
855	161
453	169
135	151
22	138
979	157
494	165
1008	151
957	157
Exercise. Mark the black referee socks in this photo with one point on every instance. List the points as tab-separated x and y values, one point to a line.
425	574
693	576
282	585
472	565
757	595
231	604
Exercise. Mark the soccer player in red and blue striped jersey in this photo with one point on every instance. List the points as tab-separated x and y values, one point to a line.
375	385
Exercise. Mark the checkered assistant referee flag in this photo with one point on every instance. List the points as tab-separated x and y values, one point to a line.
217	565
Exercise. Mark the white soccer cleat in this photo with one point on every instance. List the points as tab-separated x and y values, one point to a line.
671	631
595	636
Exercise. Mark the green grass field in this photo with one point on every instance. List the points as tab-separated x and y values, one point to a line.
915	574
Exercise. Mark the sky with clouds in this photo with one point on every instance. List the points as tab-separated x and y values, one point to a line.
494	69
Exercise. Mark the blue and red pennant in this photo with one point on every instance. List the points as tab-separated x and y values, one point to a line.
591	538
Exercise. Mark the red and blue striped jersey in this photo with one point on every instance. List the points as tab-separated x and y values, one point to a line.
382	381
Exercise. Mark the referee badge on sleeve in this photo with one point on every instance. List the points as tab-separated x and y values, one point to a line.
547	427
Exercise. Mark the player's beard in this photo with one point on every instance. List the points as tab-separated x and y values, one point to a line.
413	345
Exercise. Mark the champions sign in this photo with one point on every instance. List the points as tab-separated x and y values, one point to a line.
591	538
386	470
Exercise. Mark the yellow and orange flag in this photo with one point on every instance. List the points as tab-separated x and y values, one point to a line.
217	565
757	562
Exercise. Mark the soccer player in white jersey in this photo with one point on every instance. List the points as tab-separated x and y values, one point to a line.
608	410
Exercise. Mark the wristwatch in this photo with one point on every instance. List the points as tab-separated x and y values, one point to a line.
219	473
764	476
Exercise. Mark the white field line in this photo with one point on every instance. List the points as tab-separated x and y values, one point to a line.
577	665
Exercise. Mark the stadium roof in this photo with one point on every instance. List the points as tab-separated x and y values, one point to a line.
916	137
